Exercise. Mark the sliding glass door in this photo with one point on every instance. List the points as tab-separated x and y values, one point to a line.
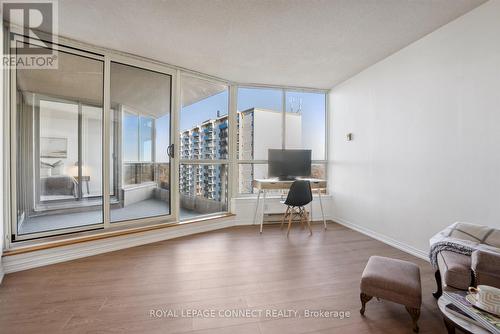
57	158
68	150
140	126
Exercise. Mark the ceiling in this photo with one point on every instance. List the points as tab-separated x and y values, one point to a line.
81	79
305	43
194	89
142	91
76	79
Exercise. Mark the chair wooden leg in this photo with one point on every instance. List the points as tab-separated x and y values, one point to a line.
364	299
292	212
415	314
284	217
300	219
307	221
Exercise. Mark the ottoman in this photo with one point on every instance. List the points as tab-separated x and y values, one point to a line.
393	280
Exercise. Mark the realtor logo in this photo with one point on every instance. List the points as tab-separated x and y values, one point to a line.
33	32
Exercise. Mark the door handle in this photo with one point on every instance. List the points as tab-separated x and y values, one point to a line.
170	151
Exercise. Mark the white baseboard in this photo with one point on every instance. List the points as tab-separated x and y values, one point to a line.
385	239
40	258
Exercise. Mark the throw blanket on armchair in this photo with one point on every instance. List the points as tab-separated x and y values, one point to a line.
462	238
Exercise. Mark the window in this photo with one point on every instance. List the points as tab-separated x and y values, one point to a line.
247	173
259	122
305	122
265	123
204	138
138	137
130	136
145	139
203	189
66	158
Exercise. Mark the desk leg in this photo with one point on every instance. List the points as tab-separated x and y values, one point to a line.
321	206
263	209
88	190
256	207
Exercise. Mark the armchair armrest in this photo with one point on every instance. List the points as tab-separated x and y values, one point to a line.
486	265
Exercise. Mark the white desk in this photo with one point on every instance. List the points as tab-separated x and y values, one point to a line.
263	185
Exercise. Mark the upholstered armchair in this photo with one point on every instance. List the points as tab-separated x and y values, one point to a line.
485	265
475	261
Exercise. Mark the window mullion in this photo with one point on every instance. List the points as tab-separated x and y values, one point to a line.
106	135
233	139
283	119
139	138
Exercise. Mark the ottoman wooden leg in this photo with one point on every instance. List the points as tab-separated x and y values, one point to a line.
415	314
364	299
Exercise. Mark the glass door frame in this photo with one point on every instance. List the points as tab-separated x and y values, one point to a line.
106	57
144	65
12	156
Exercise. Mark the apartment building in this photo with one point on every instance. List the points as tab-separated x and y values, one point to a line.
209	140
259	130
204	185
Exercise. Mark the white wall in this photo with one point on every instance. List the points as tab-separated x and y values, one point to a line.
426	135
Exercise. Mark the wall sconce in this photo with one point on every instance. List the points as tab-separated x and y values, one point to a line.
349	136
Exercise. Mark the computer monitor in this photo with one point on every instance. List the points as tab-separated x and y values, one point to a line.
289	164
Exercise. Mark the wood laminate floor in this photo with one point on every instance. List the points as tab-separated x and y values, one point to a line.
219	272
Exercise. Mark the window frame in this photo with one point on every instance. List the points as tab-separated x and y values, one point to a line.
10	126
284	90
108	55
145	65
229	161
